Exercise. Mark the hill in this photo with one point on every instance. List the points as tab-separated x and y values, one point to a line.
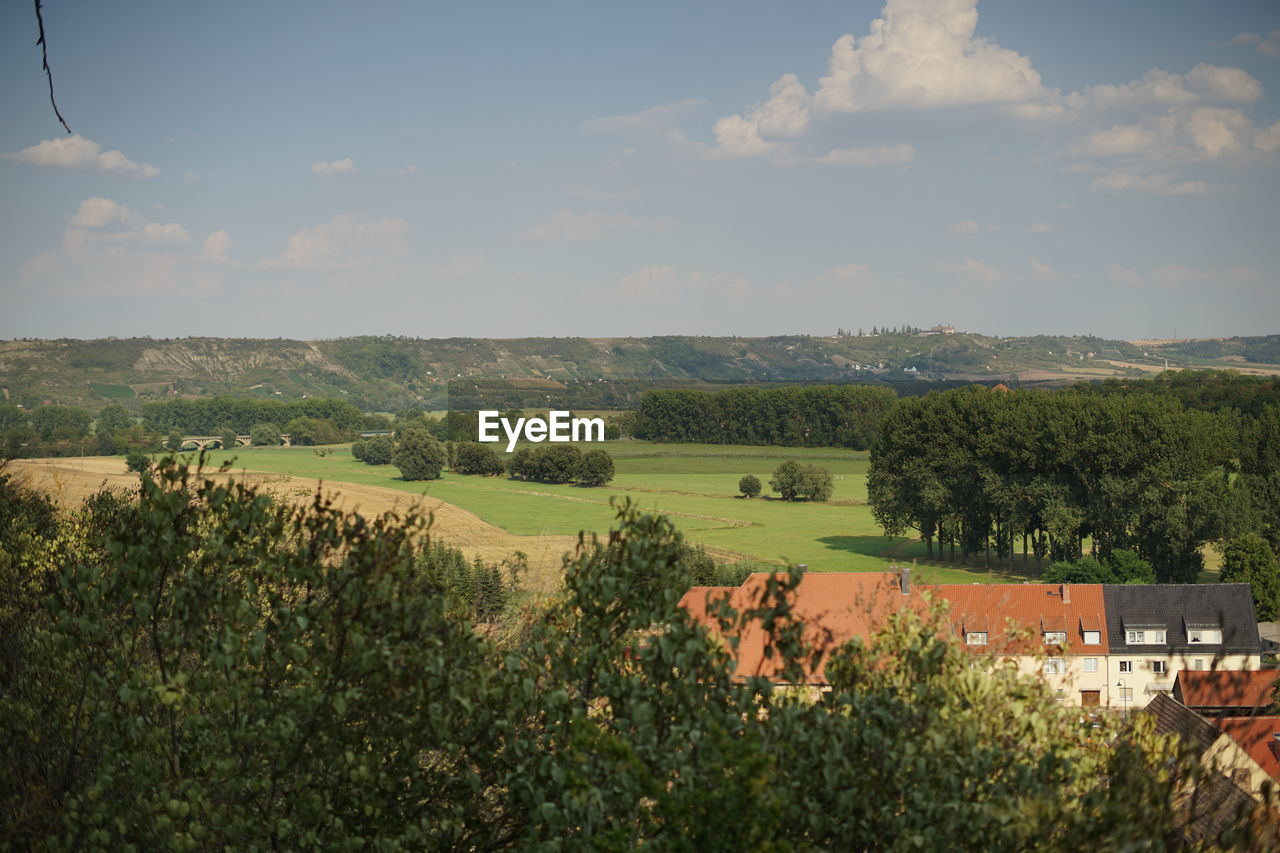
389	373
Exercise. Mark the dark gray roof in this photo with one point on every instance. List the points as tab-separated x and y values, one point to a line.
1175	607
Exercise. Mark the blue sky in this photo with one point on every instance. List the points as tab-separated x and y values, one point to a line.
498	169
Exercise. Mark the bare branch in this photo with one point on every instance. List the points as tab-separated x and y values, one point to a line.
44	56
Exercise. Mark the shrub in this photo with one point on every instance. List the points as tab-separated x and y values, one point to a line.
357	449
749	485
138	462
474	458
264	435
418	456
596	468
794	481
379	450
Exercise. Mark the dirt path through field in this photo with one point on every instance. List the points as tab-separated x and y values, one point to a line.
71	480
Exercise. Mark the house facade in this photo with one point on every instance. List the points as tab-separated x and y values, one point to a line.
1096	645
1159	630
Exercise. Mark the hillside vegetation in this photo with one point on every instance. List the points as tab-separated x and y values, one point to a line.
391	373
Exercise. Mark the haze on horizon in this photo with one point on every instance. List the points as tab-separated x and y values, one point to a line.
486	169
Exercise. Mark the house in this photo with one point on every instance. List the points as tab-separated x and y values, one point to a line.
1232	779
1058	630
1157	630
1226	693
835	606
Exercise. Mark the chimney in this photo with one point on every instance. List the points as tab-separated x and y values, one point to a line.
1066	594
904	580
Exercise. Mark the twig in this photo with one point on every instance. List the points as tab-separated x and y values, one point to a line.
44	57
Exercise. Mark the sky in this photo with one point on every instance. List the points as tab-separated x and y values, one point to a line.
499	169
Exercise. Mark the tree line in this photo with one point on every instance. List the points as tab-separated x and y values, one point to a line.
421	456
976	470
194	666
789	416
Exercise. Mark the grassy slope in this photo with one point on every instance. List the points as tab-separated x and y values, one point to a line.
695	484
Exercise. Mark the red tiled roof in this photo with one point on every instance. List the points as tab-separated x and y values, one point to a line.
1226	689
1256	736
835	606
1015	616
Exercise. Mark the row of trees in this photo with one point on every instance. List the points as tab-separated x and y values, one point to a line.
978	470
561	463
210	415
193	666
789	416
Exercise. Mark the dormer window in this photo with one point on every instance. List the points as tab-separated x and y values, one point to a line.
975	638
1145	637
1093	638
1055	638
1208	636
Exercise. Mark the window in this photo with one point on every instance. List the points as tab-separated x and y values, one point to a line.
1199	663
1133	637
1055	637
1090	664
1126	694
1204	635
1159	666
1158	637
976	638
1126	666
1054	666
1092	638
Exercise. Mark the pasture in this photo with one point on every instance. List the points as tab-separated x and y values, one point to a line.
695	485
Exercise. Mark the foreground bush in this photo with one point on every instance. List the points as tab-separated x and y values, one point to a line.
197	667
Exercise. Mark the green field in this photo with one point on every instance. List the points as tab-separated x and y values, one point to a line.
695	485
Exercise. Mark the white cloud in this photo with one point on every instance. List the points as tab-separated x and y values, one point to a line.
216	248
1268	45
980	272
571	226
969	226
1268	139
109	250
924	53
648	282
344	242
76	152
338	167
1200	84
1042	272
785	115
407	169
1043	228
656	124
98	213
883	155
1158	184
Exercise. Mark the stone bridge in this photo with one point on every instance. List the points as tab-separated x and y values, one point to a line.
206	442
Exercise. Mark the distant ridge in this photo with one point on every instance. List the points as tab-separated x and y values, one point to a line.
388	373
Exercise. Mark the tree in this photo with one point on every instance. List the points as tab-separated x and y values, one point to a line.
749	486
596	468
60	422
558	463
229	438
1249	559
418	456
357	449
815	483
137	462
474	458
264	435
174	441
113	418
786	480
379	450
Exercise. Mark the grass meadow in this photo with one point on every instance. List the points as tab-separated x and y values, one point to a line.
694	484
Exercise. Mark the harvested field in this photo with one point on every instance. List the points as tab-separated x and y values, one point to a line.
69	481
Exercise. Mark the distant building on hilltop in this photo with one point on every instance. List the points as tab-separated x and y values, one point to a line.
938	330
